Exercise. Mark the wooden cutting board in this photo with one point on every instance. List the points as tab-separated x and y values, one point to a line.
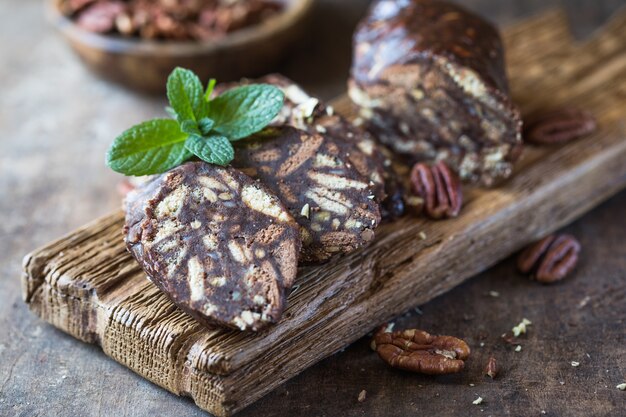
88	285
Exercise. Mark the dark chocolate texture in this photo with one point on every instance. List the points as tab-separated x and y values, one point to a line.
218	243
308	113
429	79
314	177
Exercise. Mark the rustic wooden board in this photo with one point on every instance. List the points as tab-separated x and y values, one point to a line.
87	285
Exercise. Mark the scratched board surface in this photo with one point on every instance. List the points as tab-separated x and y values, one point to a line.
87	285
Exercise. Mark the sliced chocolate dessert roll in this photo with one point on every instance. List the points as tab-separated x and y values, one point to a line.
218	243
312	175
429	79
312	115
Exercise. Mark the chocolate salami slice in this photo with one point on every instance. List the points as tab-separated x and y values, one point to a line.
429	78
219	244
312	175
371	159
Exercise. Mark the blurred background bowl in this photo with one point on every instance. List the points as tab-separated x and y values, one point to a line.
145	64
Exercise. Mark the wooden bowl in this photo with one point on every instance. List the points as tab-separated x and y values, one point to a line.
145	64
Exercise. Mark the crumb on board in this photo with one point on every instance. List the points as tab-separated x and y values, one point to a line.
362	396
518	348
494	294
621	387
521	327
584	301
575	364
477	401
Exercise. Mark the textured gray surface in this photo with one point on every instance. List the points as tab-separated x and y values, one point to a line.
56	121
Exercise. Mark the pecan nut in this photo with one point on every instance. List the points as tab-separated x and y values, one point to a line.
172	20
560	126
417	351
550	259
100	17
439	188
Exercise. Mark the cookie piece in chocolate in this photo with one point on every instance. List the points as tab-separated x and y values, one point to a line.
218	243
312	175
429	78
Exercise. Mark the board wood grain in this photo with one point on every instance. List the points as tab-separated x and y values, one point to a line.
88	285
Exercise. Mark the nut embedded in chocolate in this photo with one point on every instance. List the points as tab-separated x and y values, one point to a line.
429	79
312	175
550	259
438	189
417	351
218	243
559	126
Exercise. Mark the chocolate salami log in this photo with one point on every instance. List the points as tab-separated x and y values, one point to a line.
429	79
371	159
218	243
311	174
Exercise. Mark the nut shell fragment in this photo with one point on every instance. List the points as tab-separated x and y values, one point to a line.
491	369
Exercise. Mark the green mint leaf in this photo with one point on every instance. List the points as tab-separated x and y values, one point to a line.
151	147
170	111
184	91
212	149
205	125
209	89
190	127
245	110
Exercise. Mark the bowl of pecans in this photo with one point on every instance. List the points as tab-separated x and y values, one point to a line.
137	43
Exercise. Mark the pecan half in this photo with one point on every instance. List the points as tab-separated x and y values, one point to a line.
439	188
560	126
101	16
550	259
417	351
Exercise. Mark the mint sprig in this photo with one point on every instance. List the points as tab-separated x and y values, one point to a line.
242	111
201	126
148	148
186	95
215	148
